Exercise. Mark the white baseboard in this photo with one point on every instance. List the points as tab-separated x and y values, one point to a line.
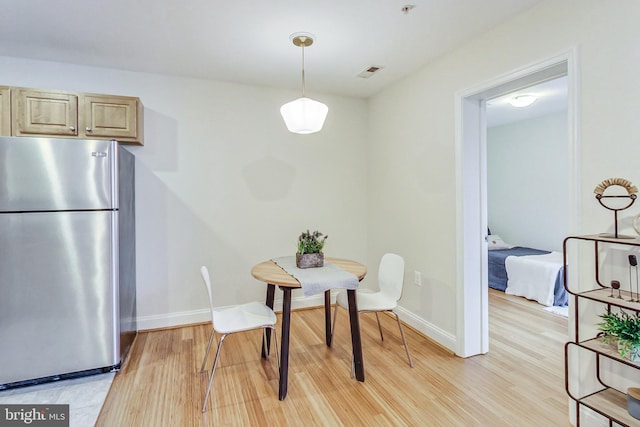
443	338
162	321
201	316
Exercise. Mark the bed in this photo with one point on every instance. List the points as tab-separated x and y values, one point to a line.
532	273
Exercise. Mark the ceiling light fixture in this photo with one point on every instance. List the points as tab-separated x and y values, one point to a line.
522	100
303	115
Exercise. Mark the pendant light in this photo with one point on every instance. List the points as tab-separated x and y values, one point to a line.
303	115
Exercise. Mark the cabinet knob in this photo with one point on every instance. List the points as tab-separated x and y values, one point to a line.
72	128
88	129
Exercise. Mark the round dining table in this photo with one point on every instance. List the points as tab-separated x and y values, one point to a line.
273	275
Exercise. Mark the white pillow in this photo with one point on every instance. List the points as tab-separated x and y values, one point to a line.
496	242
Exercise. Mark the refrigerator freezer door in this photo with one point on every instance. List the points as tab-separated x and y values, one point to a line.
58	282
47	174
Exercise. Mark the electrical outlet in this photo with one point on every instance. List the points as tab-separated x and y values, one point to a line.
417	278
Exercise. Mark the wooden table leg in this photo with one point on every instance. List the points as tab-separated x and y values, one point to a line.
356	341
284	338
327	316
271	290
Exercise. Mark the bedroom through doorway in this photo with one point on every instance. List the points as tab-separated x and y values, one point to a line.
527	179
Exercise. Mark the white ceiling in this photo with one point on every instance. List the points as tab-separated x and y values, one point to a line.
248	42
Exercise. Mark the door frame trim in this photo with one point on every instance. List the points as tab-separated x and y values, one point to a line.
472	320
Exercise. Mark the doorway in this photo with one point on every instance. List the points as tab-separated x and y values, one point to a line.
527	174
472	319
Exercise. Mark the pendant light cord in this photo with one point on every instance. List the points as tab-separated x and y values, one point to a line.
303	84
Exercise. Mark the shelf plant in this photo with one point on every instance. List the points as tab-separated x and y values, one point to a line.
310	247
623	329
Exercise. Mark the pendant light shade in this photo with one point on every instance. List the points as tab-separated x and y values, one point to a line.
304	115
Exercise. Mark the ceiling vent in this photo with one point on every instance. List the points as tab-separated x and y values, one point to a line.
365	74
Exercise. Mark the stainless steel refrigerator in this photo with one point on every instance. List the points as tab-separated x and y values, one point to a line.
67	258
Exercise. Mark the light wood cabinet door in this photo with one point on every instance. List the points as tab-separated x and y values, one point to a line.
116	117
44	113
37	112
5	111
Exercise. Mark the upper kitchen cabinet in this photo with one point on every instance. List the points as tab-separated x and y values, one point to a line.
74	115
5	111
48	113
113	117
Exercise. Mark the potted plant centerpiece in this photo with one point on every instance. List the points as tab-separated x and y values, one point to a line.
622	329
310	249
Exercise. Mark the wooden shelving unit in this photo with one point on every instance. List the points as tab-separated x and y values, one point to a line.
608	401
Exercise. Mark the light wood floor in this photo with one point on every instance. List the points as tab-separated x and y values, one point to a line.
518	383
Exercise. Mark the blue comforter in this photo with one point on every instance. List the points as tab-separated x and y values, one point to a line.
498	272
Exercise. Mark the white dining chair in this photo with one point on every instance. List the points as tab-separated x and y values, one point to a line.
239	318
390	282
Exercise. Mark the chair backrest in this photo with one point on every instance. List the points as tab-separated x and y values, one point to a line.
391	275
204	271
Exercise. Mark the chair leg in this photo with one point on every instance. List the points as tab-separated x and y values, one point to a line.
275	341
213	371
265	349
353	368
379	327
404	339
204	361
333	329
333	326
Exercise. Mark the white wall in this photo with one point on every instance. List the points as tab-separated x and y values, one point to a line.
528	181
220	181
411	176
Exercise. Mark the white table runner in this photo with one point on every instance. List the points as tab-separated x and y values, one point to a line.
318	279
